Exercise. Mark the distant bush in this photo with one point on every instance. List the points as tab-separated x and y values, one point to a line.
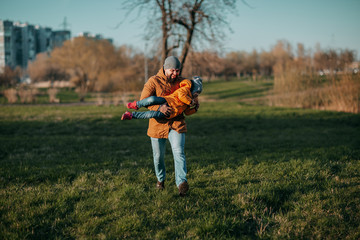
11	95
299	87
344	95
27	95
52	95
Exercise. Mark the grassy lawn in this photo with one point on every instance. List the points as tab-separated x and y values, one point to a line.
255	172
237	90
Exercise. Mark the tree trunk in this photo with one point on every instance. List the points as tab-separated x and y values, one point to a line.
83	88
186	48
238	74
164	29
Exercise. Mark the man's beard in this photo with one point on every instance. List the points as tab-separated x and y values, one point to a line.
170	79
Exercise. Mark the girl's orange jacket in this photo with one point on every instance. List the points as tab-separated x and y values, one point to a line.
159	86
180	99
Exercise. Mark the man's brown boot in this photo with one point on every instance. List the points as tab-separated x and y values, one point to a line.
183	188
160	185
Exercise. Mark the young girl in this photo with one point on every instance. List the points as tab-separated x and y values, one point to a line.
184	97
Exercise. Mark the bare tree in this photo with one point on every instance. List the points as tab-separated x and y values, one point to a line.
9	77
85	60
266	63
346	57
237	59
183	21
43	69
207	64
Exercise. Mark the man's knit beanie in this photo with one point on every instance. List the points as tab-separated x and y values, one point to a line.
172	63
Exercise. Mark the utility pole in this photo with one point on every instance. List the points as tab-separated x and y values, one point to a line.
64	24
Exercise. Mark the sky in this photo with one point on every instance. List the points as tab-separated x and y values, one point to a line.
259	24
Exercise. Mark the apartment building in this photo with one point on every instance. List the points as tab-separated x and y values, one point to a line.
25	45
94	36
43	39
7	44
21	42
59	37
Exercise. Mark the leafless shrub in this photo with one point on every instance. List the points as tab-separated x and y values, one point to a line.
116	99
99	100
338	95
123	98
298	82
27	95
11	95
52	95
344	95
299	99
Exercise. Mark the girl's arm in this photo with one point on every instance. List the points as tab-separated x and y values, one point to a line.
184	93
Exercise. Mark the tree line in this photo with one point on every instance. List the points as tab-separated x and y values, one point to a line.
267	63
98	66
302	78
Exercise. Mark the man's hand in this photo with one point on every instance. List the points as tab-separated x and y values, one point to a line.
195	104
165	109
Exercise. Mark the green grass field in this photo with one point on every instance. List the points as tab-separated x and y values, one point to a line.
255	172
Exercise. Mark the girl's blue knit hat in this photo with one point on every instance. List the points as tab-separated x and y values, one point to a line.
196	85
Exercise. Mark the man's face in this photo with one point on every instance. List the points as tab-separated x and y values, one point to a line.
172	74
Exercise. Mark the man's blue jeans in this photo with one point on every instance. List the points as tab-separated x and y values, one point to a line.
152	100
177	142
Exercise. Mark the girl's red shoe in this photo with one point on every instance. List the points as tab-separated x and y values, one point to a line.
126	116
132	105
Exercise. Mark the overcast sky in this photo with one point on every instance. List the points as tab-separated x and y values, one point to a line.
330	23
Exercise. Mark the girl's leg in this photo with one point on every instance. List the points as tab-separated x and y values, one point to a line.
152	100
148	114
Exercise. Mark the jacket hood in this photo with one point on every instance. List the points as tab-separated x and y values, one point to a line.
161	74
186	83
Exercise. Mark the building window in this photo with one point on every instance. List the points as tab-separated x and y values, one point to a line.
7	40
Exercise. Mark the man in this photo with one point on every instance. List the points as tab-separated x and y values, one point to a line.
165	82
